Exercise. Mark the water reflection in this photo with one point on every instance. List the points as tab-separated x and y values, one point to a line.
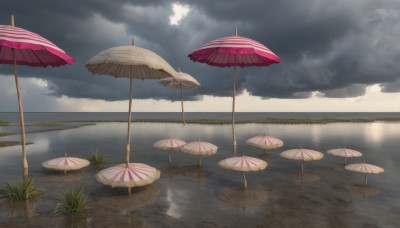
239	198
319	198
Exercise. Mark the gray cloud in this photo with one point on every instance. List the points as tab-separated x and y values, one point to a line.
335	47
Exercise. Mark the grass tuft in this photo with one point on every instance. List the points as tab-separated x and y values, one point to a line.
19	190
72	201
98	158
4	123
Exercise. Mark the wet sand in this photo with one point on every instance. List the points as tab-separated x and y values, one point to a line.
189	196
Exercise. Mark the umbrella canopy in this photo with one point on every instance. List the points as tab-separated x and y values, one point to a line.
22	47
234	51
264	142
200	149
302	155
181	81
134	63
244	164
345	152
168	145
65	163
128	175
364	168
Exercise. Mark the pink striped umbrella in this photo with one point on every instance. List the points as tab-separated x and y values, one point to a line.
244	164
65	163
128	175
199	149
302	155
345	152
234	51
364	168
264	142
22	47
168	145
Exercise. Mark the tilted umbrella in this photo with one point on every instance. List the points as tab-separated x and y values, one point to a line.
234	51
345	152
22	47
302	155
264	142
134	63
181	81
169	145
244	164
364	168
199	149
65	164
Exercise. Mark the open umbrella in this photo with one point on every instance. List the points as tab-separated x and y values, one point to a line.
169	145
302	155
199	149
364	168
234	51
345	152
244	164
181	81
65	164
264	142
134	63
22	47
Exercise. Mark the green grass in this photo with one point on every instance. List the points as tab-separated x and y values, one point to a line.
19	190
72	201
98	158
4	123
12	143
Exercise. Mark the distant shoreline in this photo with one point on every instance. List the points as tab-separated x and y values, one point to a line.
222	121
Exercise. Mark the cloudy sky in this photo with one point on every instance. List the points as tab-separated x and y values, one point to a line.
336	55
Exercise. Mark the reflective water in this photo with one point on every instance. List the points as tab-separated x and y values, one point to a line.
186	195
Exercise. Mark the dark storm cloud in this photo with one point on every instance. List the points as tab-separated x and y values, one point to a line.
334	47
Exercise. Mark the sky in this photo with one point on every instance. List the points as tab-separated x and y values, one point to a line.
336	56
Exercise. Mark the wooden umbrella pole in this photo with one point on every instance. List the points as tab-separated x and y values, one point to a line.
344	160
244	182
183	112
21	112
233	111
366	179
128	144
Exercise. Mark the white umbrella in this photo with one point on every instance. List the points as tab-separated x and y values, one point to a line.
65	164
364	168
264	142
169	145
131	175
244	164
199	149
134	63
302	155
181	81
345	152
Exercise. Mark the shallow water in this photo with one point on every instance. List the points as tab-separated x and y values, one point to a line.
185	195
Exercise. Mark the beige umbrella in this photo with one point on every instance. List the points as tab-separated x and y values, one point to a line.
302	155
134	63
65	164
244	164
169	145
364	168
264	142
345	152
181	81
199	149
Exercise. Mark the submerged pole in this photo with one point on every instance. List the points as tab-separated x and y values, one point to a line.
128	144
